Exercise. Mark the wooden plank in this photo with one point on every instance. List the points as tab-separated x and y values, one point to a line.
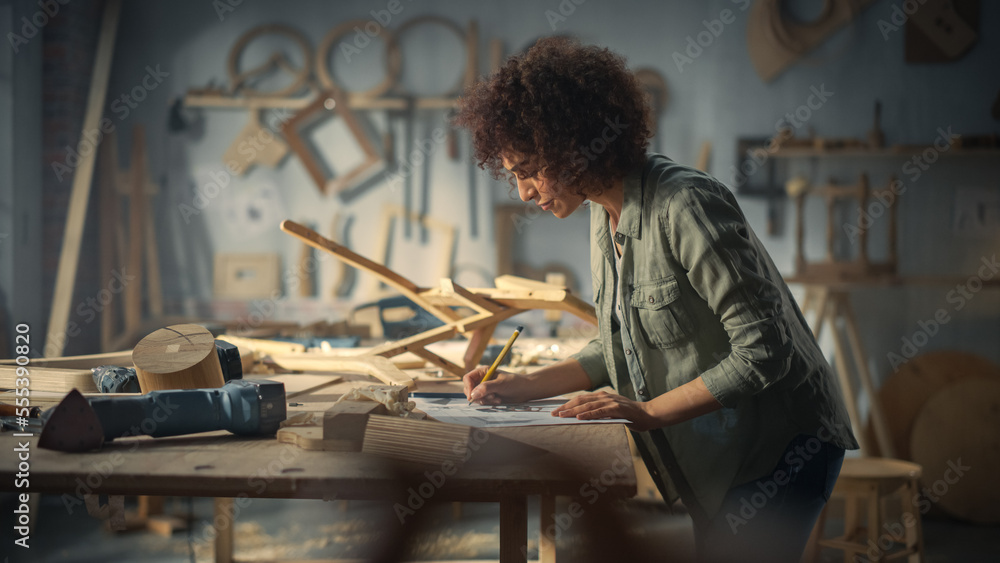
436	443
441	362
477	345
876	414
136	229
76	214
110	219
376	366
219	463
414	342
123	359
154	281
50	379
262	346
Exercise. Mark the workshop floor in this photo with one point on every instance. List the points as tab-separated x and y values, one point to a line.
283	529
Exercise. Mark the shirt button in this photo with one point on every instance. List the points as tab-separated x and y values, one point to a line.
628	352
652	300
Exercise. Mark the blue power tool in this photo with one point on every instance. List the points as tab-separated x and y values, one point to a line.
246	407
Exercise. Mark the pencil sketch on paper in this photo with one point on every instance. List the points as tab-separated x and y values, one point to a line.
533	413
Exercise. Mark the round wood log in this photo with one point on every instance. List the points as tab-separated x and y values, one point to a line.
178	357
905	392
956	438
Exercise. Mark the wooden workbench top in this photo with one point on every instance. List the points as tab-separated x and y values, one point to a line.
220	464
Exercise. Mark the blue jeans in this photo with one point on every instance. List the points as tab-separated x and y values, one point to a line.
770	519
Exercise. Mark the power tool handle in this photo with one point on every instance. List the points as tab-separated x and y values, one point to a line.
160	413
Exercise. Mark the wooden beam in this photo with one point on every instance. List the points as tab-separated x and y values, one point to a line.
76	214
50	379
136	230
110	219
376	366
405	286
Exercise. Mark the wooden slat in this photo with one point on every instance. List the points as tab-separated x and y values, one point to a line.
76	214
376	366
123	359
50	379
136	230
405	286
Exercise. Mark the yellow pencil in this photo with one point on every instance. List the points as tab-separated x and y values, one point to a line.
500	357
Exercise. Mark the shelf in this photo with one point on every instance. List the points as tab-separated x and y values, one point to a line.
881	153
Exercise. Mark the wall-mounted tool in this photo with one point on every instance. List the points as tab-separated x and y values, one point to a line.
775	41
245	407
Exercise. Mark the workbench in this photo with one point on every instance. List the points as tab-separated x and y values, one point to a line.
233	469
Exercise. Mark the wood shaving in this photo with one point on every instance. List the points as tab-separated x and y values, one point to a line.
394	397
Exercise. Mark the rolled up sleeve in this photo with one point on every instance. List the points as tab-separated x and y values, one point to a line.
710	238
591	358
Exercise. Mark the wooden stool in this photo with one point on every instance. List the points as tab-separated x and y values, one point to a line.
866	484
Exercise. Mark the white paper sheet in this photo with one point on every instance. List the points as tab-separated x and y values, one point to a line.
533	413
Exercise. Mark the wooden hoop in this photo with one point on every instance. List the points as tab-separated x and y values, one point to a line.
237	78
393	60
392	46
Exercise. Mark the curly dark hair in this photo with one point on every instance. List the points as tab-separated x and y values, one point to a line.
570	109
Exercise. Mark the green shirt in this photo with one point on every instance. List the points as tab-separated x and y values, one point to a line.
701	297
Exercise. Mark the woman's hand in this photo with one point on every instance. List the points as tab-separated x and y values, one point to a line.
590	406
503	387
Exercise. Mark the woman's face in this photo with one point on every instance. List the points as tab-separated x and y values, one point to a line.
546	193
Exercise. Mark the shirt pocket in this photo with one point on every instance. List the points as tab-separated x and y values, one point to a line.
663	319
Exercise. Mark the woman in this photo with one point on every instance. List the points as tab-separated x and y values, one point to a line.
731	402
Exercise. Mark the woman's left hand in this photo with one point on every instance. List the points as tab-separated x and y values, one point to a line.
590	406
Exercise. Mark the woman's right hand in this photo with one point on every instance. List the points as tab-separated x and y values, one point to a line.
503	387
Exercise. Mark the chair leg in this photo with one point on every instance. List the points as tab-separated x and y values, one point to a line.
811	553
914	531
850	522
874	523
